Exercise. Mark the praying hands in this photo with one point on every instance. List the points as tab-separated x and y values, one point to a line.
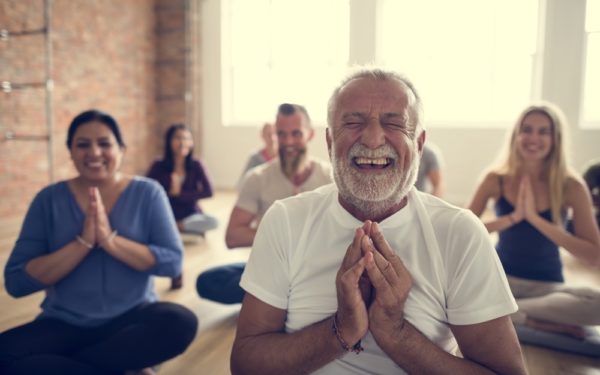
373	285
96	228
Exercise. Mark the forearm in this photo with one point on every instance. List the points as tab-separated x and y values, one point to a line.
135	255
416	354
51	268
239	236
500	223
580	248
301	352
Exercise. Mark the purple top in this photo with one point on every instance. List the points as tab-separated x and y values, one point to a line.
195	186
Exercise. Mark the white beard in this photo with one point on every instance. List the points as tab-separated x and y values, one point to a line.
374	195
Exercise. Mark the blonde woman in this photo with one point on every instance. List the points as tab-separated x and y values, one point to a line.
533	190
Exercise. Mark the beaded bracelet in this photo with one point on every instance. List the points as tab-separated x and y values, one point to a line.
356	348
88	245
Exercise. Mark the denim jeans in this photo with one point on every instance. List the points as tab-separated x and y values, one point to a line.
222	284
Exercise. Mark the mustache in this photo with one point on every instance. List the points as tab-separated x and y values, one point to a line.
361	151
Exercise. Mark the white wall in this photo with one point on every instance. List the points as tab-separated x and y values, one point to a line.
467	152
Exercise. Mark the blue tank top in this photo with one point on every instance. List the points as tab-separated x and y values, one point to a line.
524	251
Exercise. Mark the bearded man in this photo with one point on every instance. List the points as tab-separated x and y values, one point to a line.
292	173
368	275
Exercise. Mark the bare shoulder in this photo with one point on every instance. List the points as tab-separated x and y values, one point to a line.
491	183
575	189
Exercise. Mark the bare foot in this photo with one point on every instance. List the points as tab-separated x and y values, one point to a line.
565	329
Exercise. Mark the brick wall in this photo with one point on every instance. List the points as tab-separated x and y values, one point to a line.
126	57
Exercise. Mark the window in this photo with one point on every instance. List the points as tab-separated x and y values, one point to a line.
471	60
277	51
591	91
472	68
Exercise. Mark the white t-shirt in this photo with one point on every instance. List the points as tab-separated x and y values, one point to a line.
266	183
457	277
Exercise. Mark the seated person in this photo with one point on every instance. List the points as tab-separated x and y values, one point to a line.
93	244
429	178
185	180
292	173
533	189
368	275
265	154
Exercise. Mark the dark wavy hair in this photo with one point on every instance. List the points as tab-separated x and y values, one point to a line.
94	115
168	158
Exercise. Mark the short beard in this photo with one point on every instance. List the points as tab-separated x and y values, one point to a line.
374	196
290	166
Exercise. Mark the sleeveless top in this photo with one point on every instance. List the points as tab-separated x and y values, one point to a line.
523	250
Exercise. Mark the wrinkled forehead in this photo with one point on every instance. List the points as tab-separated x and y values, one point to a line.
372	96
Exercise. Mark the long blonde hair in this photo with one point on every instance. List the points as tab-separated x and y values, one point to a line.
555	169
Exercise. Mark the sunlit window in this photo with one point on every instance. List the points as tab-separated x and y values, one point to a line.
472	60
278	51
591	92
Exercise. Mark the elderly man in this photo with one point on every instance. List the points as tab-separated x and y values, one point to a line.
292	173
370	275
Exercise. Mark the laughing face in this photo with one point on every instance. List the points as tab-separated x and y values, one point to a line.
535	137
95	152
373	144
293	135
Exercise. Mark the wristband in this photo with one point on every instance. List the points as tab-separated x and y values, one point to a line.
356	348
88	245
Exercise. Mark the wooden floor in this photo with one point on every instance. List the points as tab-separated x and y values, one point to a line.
209	353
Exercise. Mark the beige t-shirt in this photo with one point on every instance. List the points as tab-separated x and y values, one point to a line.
266	183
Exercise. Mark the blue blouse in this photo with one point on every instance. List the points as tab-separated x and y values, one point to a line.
100	287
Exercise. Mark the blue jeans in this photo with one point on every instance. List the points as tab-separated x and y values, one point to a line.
222	284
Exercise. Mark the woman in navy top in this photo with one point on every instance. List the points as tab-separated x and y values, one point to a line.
534	189
185	180
93	244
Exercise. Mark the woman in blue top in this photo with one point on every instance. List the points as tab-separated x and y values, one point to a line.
533	190
93	244
185	180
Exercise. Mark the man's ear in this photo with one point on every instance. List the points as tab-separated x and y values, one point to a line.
421	141
311	134
328	139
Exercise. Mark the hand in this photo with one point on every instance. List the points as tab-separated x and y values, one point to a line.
391	282
89	224
364	283
528	204
352	290
175	188
103	228
519	213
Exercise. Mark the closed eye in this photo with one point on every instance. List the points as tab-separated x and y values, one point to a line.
352	124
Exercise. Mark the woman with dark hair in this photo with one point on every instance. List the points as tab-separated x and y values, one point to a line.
93	243
185	180
533	189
